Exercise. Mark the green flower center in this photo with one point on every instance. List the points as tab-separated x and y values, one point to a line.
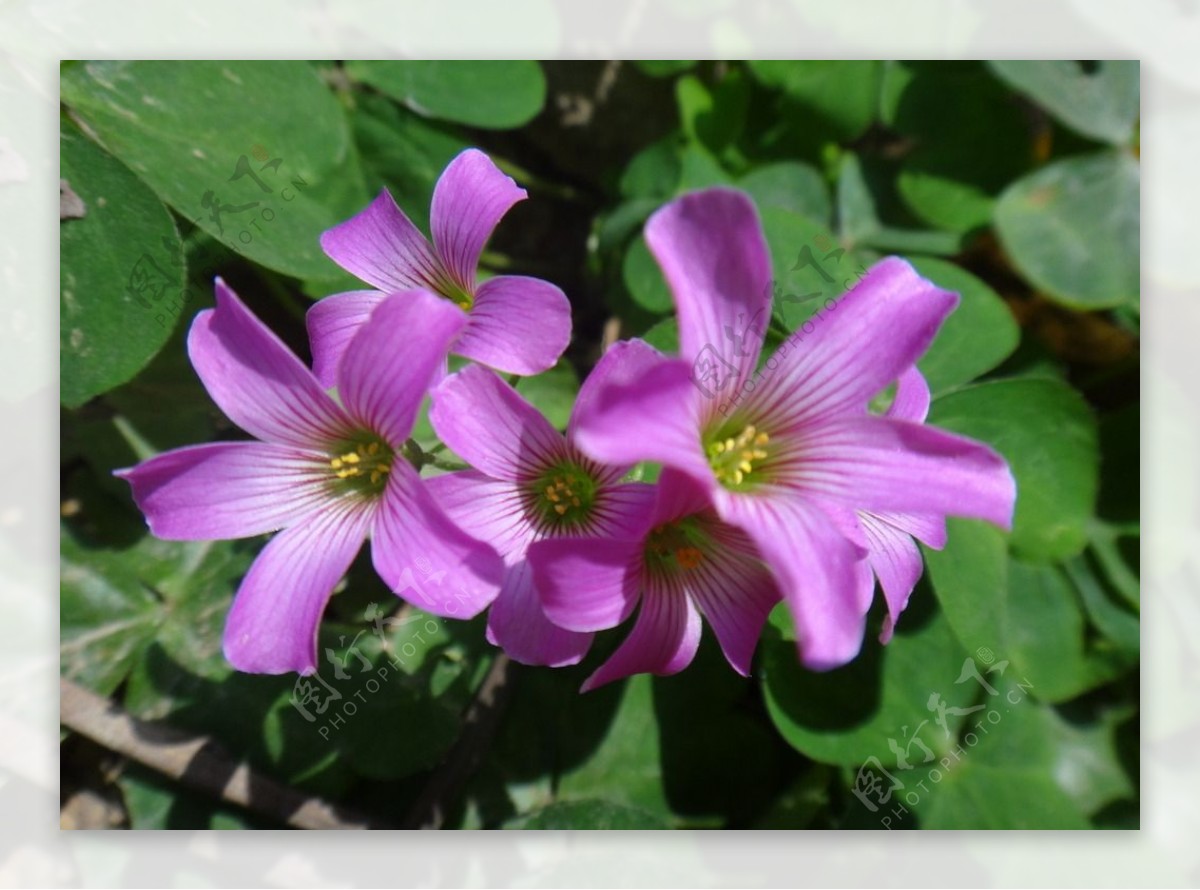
362	464
737	456
675	547
563	496
455	293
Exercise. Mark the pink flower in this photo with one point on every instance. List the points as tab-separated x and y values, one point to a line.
515	324
328	475
790	453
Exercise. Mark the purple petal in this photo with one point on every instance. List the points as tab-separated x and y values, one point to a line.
384	375
896	562
470	198
625	362
517	624
272	627
713	255
823	577
487	423
735	592
912	397
623	510
412	534
332	324
518	325
872	336
928	528
663	640
488	509
586	584
874	463
257	381
382	247
655	417
227	490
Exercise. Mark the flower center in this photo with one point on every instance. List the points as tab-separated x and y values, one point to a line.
737	459
362	464
563	496
675	547
455	293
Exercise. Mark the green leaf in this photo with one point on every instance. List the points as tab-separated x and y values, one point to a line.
552	392
977	336
716	116
122	273
1097	99
257	154
848	715
664	335
1072	229
792	186
1047	433
591	814
644	279
491	94
154	802
842	95
654	171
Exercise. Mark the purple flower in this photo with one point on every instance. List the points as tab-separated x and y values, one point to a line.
530	483
686	563
789	453
516	324
327	475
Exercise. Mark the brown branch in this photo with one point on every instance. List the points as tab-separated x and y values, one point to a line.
196	761
479	726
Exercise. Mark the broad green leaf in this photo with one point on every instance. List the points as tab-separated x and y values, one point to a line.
843	95
789	185
644	279
1107	614
552	392
1047	433
1097	99
977	336
490	94
852	713
713	116
664	335
257	154
121	276
653	172
1072	229
591	814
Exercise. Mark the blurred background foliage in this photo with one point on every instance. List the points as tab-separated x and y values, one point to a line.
1015	184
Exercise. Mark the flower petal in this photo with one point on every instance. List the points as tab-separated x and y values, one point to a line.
470	198
517	624
874	463
872	336
663	641
332	323
411	530
272	627
928	528
711	248
586	584
382	247
625	362
488	509
383	383
257	381
487	423
519	325
226	490
896	562
654	417
912	397
823	576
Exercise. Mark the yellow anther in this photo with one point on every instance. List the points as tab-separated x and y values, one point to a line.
688	557
351	457
336	463
745	466
560	509
762	439
373	449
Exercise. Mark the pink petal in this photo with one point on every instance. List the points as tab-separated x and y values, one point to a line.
332	324
711	248
663	641
227	490
517	624
488	509
412	533
487	423
872	336
874	463
518	325
896	562
586	584
912	397
382	247
384	375
257	381
654	417
623	363
623	510
822	575
272	627
470	198
928	528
